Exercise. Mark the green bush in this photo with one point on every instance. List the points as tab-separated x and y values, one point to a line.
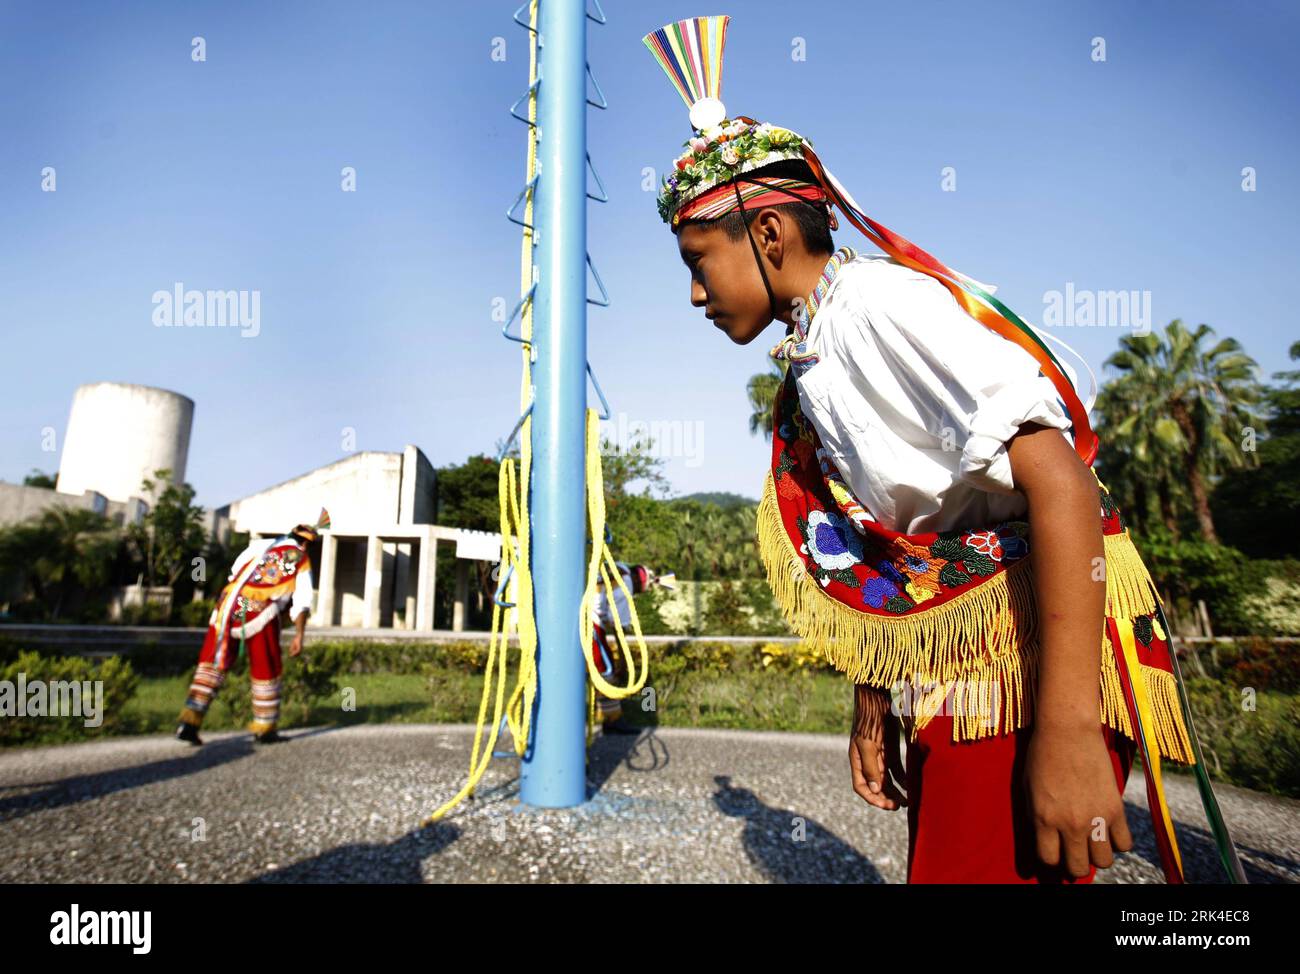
647	612
1252	661
356	656
1249	739
767	619
1230	582
148	614
119	683
195	615
725	614
152	659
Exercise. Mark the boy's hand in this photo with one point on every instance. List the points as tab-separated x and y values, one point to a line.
295	647
874	749
1074	803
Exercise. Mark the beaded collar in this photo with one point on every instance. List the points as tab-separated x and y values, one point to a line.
792	347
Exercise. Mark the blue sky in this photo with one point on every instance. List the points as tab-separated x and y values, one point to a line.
376	306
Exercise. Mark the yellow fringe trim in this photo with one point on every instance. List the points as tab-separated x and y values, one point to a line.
270	592
935	642
1172	738
1129	586
986	701
934	649
991	701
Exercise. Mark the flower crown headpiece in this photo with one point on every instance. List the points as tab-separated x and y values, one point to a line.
690	53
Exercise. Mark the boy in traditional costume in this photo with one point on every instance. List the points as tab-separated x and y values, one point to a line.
268	575
925	442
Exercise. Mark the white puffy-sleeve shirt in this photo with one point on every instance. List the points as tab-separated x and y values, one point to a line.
915	400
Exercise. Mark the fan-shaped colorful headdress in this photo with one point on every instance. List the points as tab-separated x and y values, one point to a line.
690	52
706	183
312	531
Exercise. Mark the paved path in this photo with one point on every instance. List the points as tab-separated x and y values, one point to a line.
675	805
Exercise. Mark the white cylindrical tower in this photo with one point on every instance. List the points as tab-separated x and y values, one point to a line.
119	434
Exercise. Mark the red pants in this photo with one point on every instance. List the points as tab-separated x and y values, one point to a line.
264	669
967	818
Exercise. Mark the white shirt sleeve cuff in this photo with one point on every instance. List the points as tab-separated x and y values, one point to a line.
985	463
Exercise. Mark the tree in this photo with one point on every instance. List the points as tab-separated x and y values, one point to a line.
468	494
469	497
38	478
1185	410
171	533
65	549
622	466
761	390
1139	460
1250	504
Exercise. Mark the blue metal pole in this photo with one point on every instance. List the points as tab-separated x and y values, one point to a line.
554	772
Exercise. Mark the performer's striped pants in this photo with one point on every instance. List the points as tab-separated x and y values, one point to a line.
264	667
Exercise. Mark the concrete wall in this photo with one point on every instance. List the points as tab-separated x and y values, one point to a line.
22	503
419	488
118	434
361	492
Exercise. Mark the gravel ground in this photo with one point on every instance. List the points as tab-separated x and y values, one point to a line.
675	805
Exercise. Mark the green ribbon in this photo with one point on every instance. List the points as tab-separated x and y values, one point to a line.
1222	840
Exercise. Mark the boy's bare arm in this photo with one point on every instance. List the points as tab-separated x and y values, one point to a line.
1077	809
301	625
1069	573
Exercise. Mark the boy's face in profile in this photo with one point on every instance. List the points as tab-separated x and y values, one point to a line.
725	281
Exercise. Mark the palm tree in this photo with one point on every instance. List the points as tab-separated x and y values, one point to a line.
1184	409
63	550
1139	459
761	390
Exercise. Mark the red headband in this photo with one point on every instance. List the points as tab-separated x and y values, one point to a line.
755	192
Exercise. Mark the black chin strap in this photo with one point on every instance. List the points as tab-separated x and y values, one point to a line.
771	297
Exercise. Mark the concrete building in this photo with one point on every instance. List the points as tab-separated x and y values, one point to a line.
376	566
119	434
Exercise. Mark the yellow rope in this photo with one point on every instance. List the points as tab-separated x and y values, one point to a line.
513	499
603	559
